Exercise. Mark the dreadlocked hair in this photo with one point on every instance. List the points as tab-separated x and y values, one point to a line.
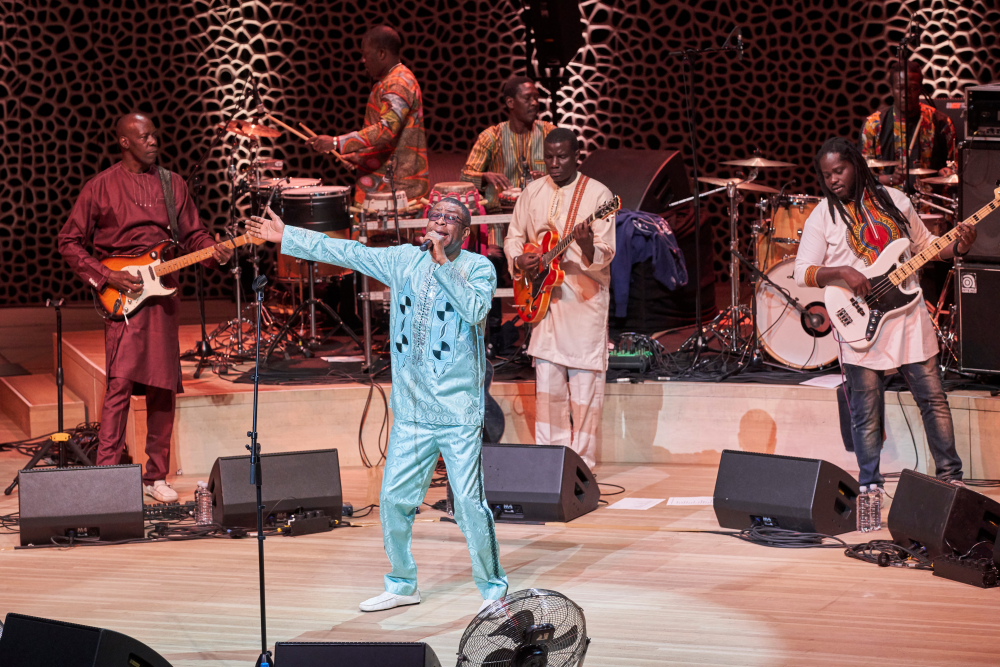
864	180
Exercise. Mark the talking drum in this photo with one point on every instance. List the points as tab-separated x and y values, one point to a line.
320	209
377	202
508	198
463	191
787	335
781	239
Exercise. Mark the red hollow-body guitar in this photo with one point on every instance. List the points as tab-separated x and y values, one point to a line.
149	266
532	294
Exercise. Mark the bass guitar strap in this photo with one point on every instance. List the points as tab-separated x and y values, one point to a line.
168	196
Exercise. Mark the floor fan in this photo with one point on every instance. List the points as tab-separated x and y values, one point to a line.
530	628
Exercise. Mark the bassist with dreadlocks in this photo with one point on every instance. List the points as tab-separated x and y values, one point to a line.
843	237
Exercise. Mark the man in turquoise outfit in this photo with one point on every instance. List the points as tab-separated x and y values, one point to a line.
440	300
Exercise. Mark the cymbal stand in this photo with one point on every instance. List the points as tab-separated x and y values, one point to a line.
728	323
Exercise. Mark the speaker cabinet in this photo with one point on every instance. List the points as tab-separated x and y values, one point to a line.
291	481
29	641
807	495
645	180
101	501
979	167
355	654
976	289
537	483
939	516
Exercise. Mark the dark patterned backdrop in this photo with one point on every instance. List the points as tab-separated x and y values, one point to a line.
67	69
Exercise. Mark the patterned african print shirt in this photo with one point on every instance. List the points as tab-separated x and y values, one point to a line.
935	140
394	127
828	241
501	150
437	322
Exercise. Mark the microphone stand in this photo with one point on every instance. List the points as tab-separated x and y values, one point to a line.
903	51
390	178
697	342
256	478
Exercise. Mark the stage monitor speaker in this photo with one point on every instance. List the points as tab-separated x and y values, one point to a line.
807	495
292	481
538	483
28	641
645	180
355	654
557	27
103	502
979	167
976	289
943	518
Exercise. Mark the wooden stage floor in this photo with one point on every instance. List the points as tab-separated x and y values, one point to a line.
652	593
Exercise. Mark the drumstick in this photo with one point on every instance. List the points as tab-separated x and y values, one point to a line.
304	127
287	127
305	138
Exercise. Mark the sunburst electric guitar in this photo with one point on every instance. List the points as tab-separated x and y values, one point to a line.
858	319
533	293
150	267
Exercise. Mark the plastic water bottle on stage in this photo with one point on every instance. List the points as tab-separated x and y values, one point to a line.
202	505
863	510
874	507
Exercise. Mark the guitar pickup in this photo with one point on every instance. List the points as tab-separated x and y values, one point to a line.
857	302
844	317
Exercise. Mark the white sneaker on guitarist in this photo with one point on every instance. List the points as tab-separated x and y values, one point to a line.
160	490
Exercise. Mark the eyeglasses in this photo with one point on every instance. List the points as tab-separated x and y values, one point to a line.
449	219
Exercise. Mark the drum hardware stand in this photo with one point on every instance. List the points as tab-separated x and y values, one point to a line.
697	343
65	440
736	314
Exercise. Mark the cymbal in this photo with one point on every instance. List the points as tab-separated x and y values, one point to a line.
248	129
942	180
882	164
740	184
922	171
757	161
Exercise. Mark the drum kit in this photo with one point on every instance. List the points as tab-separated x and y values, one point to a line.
787	322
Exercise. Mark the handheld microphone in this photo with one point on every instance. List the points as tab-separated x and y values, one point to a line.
259	283
260	109
428	242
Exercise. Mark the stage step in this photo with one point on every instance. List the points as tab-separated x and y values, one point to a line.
32	402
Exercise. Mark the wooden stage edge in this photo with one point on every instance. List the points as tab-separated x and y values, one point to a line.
654	422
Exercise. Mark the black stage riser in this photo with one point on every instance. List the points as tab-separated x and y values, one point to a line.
355	654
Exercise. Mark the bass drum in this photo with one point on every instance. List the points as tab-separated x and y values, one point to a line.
784	333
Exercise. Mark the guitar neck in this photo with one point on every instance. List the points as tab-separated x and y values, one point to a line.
935	248
198	256
560	247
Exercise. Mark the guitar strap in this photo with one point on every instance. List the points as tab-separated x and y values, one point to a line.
574	206
168	195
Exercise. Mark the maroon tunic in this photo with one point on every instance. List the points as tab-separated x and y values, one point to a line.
121	213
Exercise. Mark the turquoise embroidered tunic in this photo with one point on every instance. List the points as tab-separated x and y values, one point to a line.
436	321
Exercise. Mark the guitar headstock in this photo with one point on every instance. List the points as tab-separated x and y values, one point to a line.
608	207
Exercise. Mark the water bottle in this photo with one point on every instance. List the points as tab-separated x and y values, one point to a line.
863	510
202	505
875	507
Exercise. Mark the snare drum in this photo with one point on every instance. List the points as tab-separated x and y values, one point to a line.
781	239
783	331
260	192
295	270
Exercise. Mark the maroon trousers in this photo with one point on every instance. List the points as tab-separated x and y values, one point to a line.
159	427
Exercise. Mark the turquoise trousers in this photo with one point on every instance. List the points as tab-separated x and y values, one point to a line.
412	458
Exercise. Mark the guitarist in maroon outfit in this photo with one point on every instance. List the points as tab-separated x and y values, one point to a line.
123	210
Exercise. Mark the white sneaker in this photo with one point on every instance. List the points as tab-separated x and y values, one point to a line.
389	600
161	491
